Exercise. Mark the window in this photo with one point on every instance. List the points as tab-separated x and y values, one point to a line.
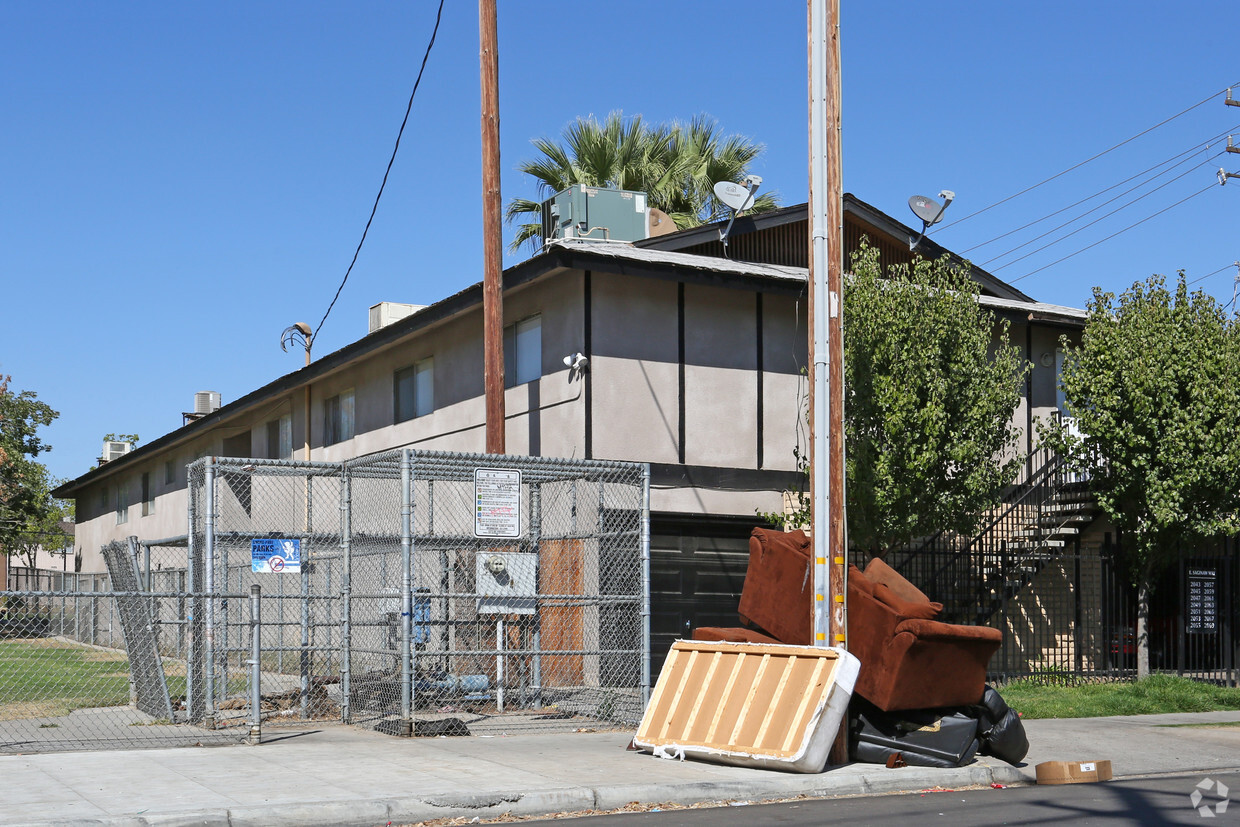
148	495
523	351
280	438
122	503
415	390
338	418
170	472
103	498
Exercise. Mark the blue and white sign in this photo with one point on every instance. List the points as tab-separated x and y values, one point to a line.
272	556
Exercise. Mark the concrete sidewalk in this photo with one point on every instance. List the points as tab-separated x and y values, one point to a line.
341	775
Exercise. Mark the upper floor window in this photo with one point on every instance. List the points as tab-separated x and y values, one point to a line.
148	495
280	438
122	503
170	472
338	418
523	351
415	390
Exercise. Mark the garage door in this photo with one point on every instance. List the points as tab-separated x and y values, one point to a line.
697	568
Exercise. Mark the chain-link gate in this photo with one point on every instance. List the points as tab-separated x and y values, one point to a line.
423	593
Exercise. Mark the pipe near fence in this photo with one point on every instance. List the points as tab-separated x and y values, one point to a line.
406	594
346	632
209	574
256	673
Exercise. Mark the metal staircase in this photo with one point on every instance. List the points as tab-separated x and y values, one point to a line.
1039	516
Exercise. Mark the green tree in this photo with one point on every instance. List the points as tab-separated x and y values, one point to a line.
1155	390
42	529
676	164
931	381
23	490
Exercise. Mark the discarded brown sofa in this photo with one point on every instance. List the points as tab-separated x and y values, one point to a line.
909	660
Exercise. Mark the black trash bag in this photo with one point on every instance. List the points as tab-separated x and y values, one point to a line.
1000	729
918	738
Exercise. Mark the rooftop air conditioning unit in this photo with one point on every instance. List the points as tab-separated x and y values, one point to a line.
115	450
206	402
596	213
385	313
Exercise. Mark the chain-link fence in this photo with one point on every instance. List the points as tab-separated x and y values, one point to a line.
423	593
411	592
79	667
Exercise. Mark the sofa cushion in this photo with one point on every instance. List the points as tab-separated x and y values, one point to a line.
923	610
877	571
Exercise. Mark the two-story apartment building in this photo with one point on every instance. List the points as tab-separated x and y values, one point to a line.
695	365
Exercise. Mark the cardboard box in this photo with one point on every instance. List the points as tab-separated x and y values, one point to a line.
1073	772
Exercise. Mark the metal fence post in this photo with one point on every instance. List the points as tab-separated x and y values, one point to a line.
645	586
208	720
406	595
346	543
256	673
306	563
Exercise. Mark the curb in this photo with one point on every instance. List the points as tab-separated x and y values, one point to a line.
371	812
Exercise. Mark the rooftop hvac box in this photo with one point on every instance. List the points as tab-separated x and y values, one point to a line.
592	212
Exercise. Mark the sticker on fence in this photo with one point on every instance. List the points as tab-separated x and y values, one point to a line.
497	503
275	556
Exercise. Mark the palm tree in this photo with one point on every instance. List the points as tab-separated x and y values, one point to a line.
676	164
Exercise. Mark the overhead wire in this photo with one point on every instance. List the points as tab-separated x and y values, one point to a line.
1096	220
1204	100
383	184
1207	275
1114	234
1200	147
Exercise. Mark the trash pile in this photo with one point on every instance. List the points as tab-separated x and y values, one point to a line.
919	698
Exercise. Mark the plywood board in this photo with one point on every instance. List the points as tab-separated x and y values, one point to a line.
561	563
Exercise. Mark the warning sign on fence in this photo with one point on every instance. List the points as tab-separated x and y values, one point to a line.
497	503
275	556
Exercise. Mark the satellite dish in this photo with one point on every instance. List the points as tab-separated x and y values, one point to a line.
929	211
736	196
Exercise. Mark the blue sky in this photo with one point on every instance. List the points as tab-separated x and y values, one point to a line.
180	182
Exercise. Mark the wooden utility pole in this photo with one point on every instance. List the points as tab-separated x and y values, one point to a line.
492	238
826	398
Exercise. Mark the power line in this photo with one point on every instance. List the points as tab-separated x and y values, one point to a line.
1207	275
1206	99
1201	147
1120	208
1112	235
386	172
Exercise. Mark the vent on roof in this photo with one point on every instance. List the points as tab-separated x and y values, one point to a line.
206	402
385	313
114	450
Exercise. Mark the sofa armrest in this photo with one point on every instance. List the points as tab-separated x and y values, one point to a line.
936	630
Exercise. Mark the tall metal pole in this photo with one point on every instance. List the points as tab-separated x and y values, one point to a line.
826	209
492	239
826	344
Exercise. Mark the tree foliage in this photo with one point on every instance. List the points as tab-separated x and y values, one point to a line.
676	165
25	499
931	381
1154	388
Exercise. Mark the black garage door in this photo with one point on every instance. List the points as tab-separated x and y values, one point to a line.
697	568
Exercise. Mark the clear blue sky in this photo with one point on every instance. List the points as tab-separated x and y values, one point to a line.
179	182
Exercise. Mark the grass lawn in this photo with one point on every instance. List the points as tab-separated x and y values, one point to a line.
44	678
1155	694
